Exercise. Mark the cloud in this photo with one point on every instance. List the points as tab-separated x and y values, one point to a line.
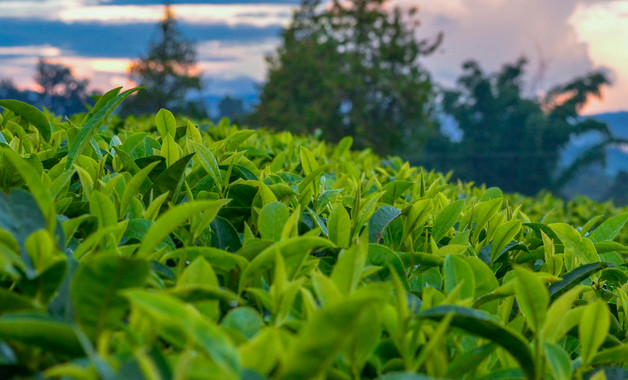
90	11
229	60
604	28
494	32
33	51
175	2
115	41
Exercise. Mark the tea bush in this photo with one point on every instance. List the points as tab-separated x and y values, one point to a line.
162	249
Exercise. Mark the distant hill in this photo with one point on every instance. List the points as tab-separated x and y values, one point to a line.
617	121
595	182
617	157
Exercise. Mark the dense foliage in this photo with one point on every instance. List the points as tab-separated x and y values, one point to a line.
514	141
169	249
351	69
170	73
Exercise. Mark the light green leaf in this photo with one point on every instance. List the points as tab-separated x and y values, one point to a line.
90	126
532	297
31	114
593	329
166	123
95	291
272	219
339	226
558	360
348	269
172	219
609	228
133	187
40	331
504	235
457	271
446	219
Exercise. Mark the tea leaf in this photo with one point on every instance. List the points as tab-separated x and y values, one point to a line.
174	217
95	291
30	113
592	329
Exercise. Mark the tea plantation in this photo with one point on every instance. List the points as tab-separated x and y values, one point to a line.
156	248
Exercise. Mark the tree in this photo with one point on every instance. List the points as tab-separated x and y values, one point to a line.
515	142
231	107
61	92
169	72
351	69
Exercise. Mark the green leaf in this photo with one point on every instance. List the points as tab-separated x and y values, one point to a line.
272	219
178	324
503	236
199	272
37	188
20	217
103	209
384	257
43	332
170	150
322	338
209	163
574	277
380	220
348	269
484	212
582	247
95	291
609	228
393	190
532	297
90	126
11	302
166	123
234	140
469	360
308	161
172	219
225	236
133	187
221	261
31	114
480	324
245	320
446	219
339	226
593	329
457	271
171	179
617	355
293	250
558	360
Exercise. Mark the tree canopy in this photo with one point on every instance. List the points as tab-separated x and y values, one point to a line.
351	68
61	92
170	73
513	141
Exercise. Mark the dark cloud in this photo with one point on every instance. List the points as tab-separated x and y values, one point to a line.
116	41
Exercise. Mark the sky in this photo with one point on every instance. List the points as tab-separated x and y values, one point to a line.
562	39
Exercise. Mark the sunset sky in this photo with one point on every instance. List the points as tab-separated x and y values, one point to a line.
99	38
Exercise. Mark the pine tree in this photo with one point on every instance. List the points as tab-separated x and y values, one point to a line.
169	72
351	69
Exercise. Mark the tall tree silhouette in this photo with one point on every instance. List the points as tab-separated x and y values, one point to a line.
61	92
170	73
351	68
